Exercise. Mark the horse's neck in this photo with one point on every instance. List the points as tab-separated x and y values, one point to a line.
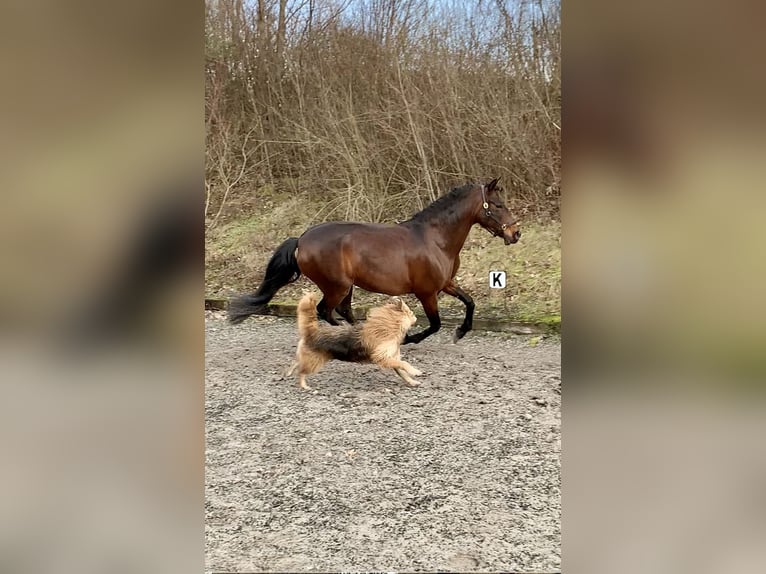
452	239
448	233
459	238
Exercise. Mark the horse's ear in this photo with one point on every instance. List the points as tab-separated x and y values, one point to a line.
492	184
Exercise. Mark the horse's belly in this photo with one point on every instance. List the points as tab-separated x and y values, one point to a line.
386	287
390	278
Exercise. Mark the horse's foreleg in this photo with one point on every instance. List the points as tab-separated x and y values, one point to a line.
431	308
455	291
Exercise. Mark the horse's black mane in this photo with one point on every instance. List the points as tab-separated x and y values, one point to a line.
445	206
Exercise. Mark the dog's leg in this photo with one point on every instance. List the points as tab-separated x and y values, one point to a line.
402	368
405	377
309	362
292	368
404	365
302	382
396	363
410	369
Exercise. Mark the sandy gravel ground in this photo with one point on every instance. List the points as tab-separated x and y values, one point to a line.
460	474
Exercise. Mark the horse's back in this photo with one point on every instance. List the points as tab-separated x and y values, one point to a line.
373	256
339	229
333	235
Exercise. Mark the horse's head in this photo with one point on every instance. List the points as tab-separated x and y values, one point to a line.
494	215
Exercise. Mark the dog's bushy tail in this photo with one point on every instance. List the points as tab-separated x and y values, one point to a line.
281	270
308	324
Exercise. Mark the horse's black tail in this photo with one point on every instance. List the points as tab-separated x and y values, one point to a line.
281	270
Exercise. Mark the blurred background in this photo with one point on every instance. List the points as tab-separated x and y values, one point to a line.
101	320
664	358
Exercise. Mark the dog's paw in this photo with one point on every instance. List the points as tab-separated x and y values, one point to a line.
416	372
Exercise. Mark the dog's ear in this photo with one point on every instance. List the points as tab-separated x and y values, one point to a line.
397	302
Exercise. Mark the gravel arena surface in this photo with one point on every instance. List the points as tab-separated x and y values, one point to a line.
368	474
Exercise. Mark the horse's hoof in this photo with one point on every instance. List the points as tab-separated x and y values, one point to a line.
458	335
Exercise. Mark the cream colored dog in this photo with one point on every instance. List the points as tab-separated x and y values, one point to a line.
377	340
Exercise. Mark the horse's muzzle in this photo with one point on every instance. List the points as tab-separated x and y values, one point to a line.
512	238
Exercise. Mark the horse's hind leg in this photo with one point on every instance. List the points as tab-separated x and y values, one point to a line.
325	312
344	309
455	291
332	297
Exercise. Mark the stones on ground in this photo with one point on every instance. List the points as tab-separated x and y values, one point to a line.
469	442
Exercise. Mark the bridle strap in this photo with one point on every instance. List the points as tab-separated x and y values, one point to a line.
488	213
485	205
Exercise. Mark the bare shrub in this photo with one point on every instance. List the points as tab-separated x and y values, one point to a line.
373	108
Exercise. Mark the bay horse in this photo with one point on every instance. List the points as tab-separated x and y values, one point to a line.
419	256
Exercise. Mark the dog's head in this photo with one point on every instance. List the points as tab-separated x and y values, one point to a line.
408	317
